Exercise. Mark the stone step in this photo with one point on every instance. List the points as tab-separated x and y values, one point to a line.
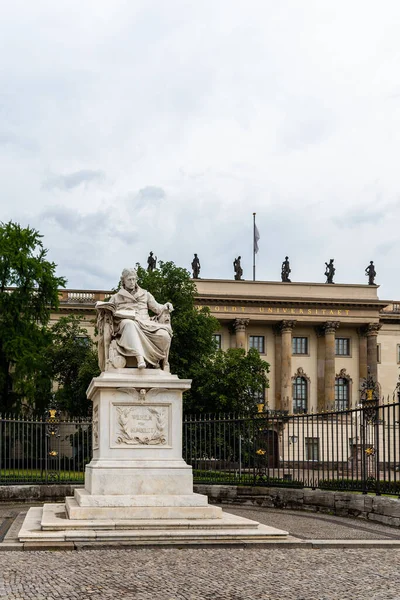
54	518
84	498
76	512
228	529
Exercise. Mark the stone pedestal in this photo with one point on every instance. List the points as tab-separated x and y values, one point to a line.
137	486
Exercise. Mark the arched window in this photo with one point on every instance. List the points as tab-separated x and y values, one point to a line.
341	393
300	393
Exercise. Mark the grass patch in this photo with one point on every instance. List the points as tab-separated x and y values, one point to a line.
24	476
229	478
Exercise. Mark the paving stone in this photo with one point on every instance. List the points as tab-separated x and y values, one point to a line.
227	573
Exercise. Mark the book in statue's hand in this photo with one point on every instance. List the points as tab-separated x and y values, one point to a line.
106	305
125	313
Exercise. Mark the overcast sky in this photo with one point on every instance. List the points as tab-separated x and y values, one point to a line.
130	126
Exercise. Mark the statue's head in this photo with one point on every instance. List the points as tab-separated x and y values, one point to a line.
129	279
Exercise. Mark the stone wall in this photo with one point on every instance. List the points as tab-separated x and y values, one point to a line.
380	509
36	493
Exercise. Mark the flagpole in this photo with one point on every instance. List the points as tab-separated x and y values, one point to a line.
254	246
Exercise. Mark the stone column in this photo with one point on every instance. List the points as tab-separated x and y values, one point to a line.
320	368
372	357
362	353
239	325
329	328
286	328
278	367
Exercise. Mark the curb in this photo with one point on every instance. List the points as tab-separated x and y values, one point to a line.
281	544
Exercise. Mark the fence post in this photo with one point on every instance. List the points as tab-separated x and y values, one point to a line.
52	455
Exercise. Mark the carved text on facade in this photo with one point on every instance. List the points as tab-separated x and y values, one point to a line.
141	425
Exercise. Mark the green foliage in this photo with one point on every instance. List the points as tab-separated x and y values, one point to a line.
72	359
193	341
370	485
250	478
24	315
221	381
229	381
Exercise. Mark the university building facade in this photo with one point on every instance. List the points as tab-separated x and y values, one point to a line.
319	339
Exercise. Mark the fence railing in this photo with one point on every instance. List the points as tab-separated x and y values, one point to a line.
356	449
44	450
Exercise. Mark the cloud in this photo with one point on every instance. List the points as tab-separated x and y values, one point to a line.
73	180
96	225
236	111
73	221
151	194
358	217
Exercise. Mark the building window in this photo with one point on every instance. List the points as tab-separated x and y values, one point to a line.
218	340
398	353
299	345
378	354
396	307
300	395
342	346
257	342
341	394
312	448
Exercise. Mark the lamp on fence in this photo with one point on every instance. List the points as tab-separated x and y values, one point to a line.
369	391
293	439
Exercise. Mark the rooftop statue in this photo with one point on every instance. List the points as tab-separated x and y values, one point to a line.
151	262
237	268
127	333
286	270
196	267
329	271
371	273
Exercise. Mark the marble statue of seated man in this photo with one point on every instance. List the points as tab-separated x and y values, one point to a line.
126	329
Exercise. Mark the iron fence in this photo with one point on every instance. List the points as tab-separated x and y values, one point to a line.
355	449
44	449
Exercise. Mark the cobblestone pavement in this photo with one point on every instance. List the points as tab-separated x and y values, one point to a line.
194	574
214	573
317	526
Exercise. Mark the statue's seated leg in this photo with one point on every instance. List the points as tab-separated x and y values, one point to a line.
140	362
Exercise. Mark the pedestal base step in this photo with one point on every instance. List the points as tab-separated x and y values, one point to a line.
84	498
134	513
52	525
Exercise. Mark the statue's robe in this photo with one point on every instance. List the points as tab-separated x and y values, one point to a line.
140	335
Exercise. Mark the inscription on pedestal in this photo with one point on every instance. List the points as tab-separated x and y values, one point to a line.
140	425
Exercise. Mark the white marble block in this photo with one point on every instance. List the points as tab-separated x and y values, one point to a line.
137	436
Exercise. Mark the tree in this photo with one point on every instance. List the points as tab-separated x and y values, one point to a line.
193	328
222	381
28	292
72	359
230	381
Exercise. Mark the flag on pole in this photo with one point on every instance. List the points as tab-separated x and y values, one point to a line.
256	238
